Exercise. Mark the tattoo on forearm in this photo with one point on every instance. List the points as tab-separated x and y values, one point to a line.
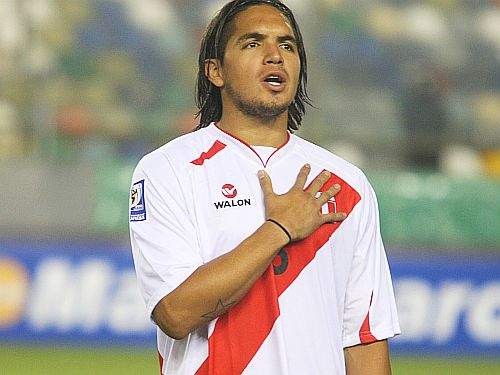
220	309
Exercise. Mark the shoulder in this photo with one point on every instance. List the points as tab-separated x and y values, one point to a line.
334	163
177	155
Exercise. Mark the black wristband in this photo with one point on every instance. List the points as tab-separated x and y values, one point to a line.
283	228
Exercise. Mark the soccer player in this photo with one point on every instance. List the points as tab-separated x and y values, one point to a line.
256	251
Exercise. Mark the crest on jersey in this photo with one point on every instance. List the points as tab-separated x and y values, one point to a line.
330	206
137	203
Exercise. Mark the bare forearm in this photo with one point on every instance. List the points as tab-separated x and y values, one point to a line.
372	359
219	284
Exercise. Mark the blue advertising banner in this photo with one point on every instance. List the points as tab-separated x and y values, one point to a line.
87	294
77	294
447	305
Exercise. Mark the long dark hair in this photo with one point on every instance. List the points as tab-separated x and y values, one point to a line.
213	46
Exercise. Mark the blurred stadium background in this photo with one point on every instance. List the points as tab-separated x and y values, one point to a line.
407	90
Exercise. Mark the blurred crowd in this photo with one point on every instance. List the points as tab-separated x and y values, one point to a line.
410	84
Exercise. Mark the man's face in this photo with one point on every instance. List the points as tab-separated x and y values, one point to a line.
261	67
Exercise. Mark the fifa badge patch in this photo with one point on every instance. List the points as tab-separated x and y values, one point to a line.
137	203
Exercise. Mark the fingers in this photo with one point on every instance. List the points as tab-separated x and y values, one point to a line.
328	194
302	177
318	182
265	183
334	217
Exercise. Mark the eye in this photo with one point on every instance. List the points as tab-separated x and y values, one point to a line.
252	45
288	47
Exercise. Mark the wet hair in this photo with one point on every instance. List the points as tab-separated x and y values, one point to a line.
213	46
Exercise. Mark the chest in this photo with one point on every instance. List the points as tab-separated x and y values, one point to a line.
229	203
229	207
228	199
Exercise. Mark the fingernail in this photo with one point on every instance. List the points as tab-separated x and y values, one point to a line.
336	186
344	215
261	174
308	165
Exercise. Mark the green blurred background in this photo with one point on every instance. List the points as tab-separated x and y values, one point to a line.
407	90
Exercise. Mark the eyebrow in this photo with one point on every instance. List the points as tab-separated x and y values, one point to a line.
259	37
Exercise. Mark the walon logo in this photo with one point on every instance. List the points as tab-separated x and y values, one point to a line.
230	192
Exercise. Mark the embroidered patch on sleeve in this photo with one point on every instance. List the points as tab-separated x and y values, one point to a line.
137	202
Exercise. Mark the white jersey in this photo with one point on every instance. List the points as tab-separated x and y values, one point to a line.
199	197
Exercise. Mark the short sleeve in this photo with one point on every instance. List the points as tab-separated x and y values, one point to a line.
370	309
162	231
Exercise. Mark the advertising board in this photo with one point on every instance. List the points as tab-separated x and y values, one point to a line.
83	294
71	293
447	305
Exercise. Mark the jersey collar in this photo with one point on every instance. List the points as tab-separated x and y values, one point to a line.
247	150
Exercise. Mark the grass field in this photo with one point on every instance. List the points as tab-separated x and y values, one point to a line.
53	361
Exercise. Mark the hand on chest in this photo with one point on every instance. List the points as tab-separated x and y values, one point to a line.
232	206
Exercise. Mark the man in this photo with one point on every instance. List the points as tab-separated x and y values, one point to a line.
258	252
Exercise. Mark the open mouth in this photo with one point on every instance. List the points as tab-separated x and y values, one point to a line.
275	81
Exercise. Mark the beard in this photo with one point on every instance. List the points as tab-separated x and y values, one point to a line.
264	111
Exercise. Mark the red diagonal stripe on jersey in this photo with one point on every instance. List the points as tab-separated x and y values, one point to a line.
240	332
216	147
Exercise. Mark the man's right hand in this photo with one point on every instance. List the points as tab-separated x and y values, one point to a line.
298	210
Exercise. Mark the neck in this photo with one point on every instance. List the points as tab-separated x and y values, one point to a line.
254	131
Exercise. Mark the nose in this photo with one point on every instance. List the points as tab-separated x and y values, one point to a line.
273	55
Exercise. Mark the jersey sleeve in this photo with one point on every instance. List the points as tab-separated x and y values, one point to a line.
162	232
370	309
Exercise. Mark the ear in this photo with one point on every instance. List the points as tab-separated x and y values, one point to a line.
213	72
